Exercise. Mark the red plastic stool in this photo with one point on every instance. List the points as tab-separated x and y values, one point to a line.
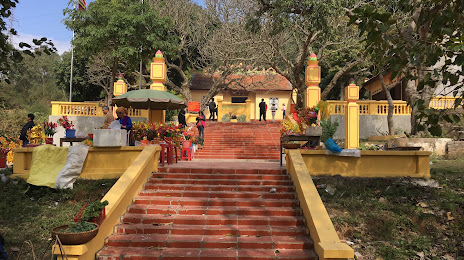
187	154
164	153
172	153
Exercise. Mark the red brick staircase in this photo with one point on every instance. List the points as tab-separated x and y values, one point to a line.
255	140
196	210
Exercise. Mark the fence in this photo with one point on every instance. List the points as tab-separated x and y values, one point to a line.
371	107
88	109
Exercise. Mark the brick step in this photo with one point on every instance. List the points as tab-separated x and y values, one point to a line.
209	241
218	230
242	188
109	253
209	156
220	176
160	219
224	202
221	171
219	182
195	210
219	194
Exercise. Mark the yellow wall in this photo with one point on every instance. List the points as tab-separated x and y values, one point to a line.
255	98
101	162
370	164
326	241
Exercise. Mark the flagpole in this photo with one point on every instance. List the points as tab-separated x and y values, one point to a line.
72	62
140	78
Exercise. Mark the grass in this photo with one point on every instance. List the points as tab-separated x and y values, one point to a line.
394	218
29	213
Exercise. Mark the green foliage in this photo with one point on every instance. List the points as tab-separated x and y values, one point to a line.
226	118
242	119
328	129
120	28
10	55
434	35
93	210
81	226
83	90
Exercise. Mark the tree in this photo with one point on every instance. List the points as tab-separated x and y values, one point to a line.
83	89
290	30
422	42
10	55
191	28
126	30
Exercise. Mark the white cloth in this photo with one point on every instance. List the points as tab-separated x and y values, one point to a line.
73	167
347	152
114	125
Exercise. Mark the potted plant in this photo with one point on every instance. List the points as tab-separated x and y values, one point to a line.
85	227
49	130
68	125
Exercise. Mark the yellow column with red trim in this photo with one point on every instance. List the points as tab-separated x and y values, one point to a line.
312	80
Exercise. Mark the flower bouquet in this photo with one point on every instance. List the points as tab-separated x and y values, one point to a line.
7	145
66	123
49	128
35	135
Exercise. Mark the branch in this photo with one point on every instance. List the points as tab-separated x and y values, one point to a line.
340	73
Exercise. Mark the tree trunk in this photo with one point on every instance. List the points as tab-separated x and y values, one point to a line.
337	75
391	129
114	71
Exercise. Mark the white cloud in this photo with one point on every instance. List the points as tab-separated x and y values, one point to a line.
61	46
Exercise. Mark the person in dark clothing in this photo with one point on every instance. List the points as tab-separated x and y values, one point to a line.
181	118
30	124
212	109
3	254
262	110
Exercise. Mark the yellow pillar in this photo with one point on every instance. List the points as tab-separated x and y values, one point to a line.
120	87
248	109
158	72
312	80
219	110
351	116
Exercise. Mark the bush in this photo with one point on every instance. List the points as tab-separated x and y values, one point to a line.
242	119
328	129
226	118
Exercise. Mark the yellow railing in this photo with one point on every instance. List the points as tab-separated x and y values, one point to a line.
88	109
372	107
442	102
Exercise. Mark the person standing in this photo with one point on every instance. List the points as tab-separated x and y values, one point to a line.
212	109
126	123
108	116
262	109
283	111
201	126
181	118
3	254
30	124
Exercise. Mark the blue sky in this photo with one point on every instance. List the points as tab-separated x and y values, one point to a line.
36	19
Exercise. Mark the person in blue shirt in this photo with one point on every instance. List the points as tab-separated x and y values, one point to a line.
3	254
126	122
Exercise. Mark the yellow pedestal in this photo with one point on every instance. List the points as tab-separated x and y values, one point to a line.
352	125
158	86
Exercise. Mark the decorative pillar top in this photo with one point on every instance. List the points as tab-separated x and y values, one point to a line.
120	76
313	60
158	57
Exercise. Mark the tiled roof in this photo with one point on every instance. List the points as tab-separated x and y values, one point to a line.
257	82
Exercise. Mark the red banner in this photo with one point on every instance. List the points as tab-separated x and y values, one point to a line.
193	106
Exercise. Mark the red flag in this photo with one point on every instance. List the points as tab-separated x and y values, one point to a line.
82	5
